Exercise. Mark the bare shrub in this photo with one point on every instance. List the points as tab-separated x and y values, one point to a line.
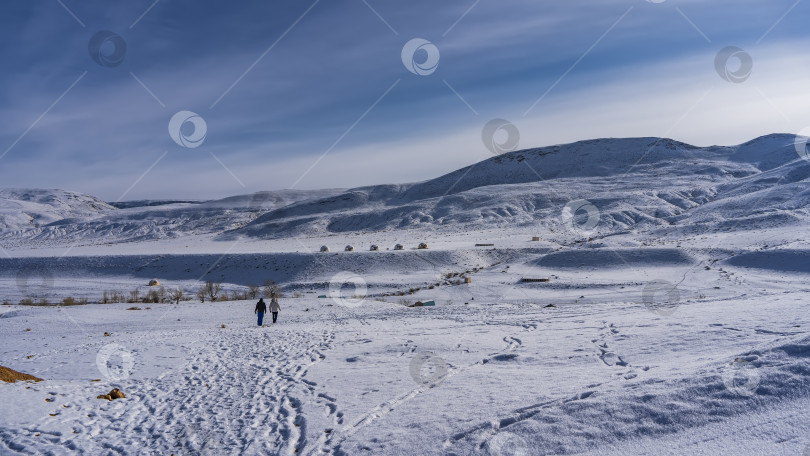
113	296
211	290
272	289
152	296
253	291
237	295
177	295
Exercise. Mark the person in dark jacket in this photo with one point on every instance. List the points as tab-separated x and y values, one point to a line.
261	308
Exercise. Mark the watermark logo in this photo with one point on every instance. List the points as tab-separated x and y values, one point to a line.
428	369
181	123
420	57
107	49
661	297
742	378
196	440
114	362
348	289
34	282
725	65
572	216
500	136
801	143
507	444
261	201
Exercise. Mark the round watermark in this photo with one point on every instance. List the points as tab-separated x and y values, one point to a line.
427	368
610	358
801	143
420	57
196	440
507	444
115	362
661	297
348	289
580	216
107	48
181	123
733	64
500	136
34	282
263	201
741	378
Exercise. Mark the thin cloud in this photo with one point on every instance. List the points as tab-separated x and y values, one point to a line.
302	95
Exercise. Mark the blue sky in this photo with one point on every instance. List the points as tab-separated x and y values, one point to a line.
314	94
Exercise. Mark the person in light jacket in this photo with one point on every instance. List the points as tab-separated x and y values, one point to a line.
261	308
274	308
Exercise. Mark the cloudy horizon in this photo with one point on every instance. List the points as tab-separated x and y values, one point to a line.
315	94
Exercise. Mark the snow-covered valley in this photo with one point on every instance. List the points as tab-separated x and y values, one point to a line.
664	312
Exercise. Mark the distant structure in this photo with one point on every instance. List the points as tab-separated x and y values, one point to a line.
423	245
374	247
349	248
324	248
154	283
399	247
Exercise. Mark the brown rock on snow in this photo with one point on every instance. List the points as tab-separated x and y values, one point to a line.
10	376
115	393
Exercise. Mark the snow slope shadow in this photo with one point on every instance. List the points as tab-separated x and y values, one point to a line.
614	258
612	412
777	260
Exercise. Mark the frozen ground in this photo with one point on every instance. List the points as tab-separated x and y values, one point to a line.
726	373
673	322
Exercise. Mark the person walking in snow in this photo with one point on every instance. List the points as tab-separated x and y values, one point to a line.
261	308
274	308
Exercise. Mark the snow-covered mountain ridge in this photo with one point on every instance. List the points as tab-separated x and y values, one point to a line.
635	183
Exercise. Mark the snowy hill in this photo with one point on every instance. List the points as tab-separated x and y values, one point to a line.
633	182
636	184
23	209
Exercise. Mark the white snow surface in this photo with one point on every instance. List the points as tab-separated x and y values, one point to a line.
673	320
